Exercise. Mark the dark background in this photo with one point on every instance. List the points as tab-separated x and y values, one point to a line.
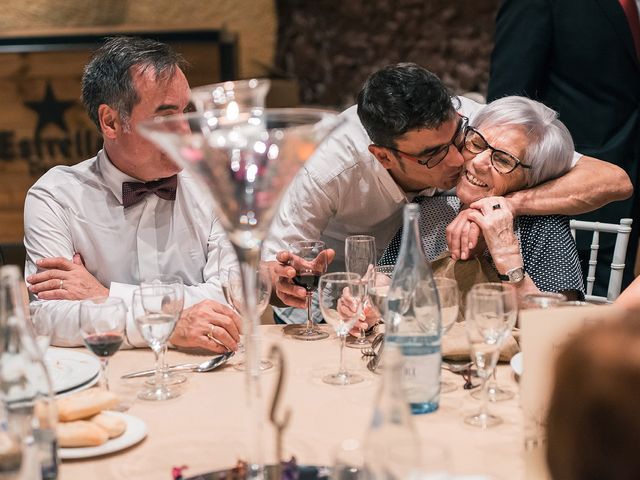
331	46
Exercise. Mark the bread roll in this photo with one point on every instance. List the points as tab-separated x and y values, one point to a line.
81	434
85	404
114	425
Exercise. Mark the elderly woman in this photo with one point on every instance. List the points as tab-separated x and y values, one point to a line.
514	143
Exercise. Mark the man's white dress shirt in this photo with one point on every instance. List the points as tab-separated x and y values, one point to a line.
343	190
79	209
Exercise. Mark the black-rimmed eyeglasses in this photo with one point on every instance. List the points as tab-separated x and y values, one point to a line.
433	157
502	161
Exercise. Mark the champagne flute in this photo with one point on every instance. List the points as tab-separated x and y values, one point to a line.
236	297
169	378
449	296
360	258
156	309
341	297
489	312
102	324
310	264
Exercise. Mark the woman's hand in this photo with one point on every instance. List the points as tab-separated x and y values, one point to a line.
495	219
463	236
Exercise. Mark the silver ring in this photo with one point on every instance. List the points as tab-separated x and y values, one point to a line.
61	284
497	206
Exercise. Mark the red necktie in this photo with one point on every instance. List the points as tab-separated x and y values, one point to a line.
133	192
631	11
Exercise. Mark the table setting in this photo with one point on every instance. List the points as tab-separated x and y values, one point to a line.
293	402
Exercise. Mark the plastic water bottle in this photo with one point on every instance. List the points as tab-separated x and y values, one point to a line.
25	386
413	318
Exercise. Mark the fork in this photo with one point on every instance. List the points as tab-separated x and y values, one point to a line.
371	351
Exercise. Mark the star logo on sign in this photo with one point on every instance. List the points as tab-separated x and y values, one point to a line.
50	110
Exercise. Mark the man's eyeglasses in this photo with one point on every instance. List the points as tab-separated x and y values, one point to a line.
432	158
502	161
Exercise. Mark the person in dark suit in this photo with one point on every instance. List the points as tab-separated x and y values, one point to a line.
579	58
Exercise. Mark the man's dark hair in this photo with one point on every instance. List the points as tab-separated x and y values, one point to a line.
402	97
108	78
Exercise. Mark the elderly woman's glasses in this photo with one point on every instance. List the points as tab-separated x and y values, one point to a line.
433	157
502	161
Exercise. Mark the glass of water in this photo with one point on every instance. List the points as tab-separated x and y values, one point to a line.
236	298
42	326
491	309
169	378
156	309
341	297
449	304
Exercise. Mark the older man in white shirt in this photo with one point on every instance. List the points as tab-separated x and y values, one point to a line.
398	142
129	214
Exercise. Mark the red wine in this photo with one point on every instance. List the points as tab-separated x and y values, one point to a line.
104	345
308	280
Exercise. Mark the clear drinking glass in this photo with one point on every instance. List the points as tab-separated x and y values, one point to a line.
263	283
156	309
310	264
42	326
168	378
497	393
490	315
102	324
378	292
449	296
244	158
360	258
542	300
341	297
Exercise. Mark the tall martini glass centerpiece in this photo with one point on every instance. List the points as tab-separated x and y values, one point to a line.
244	162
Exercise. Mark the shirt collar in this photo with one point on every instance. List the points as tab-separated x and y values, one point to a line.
111	176
399	195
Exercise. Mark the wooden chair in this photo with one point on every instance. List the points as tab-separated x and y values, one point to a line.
623	230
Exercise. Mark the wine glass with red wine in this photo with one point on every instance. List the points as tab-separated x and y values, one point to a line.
310	262
102	323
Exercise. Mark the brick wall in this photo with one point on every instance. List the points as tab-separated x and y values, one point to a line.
331	46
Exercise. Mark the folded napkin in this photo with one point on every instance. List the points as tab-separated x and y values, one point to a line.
466	273
455	346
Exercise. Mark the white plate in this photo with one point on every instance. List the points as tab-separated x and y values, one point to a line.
70	369
135	432
516	363
79	388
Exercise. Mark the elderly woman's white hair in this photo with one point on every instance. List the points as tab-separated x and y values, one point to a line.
550	149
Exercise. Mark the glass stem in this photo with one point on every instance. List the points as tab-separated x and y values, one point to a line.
363	337
309	327
341	371
165	367
484	405
159	353
249	259
104	380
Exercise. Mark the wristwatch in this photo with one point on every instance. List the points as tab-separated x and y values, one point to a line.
515	275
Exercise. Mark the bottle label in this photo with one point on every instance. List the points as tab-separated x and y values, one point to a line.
421	372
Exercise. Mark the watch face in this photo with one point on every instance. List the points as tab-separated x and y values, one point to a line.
516	275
